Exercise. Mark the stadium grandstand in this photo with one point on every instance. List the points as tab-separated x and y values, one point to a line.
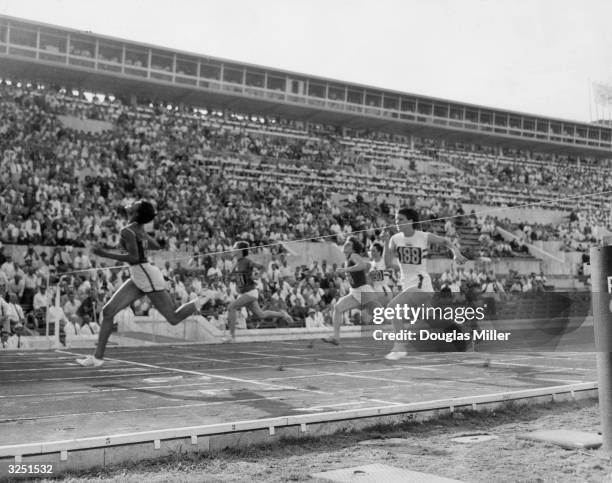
271	156
108	110
292	163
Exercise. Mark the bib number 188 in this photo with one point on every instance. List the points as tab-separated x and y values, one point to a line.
409	255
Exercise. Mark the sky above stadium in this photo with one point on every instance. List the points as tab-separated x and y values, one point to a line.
534	56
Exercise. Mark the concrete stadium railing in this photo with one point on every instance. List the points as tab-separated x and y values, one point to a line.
87	125
502	266
194	328
550	263
517	215
305	253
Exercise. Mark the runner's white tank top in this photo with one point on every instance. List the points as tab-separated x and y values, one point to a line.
410	253
377	274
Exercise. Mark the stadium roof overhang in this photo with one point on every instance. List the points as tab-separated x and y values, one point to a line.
126	86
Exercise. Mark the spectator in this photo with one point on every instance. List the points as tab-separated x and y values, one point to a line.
17	340
72	328
8	268
14	312
31	283
71	306
41	299
87	308
89	326
56	320
4	316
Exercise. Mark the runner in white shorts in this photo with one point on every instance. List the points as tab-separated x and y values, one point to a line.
361	292
379	273
410	247
248	295
145	279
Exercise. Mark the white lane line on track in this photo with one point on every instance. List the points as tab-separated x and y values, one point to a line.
317	374
270	356
385	402
401	381
546	379
205	357
204	374
196	359
416	382
98	391
569	357
538	366
357	373
75	366
107	376
36	360
72	366
156	355
212	349
120	411
349	403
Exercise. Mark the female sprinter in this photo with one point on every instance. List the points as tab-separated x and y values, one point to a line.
409	247
248	294
145	279
361	293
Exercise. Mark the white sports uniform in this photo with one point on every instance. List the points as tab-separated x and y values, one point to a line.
378	272
410	252
357	292
148	278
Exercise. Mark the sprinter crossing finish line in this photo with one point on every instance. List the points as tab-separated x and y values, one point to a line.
601	287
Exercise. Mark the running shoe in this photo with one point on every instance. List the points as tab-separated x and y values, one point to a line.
90	361
331	340
396	356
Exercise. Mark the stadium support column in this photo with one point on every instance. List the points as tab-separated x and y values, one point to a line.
601	287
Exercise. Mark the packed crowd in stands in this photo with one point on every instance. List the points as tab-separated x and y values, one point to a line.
259	179
590	218
30	289
174	157
470	283
576	234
